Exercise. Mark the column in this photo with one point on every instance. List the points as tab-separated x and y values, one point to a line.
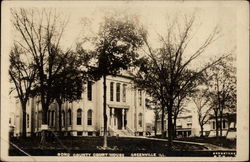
123	113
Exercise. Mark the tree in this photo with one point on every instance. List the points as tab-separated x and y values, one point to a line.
166	73
39	33
116	47
221	82
154	105
178	108
22	74
68	84
201	101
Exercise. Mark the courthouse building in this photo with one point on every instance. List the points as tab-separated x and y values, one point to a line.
125	111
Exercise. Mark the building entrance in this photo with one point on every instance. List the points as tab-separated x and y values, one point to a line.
120	118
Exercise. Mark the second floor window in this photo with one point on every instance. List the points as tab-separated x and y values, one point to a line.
124	93
111	91
89	89
140	97
118	92
79	117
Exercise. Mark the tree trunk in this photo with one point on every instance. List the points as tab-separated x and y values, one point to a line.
59	102
45	108
201	130
24	120
104	111
221	123
175	118
44	116
156	117
170	129
162	122
216	124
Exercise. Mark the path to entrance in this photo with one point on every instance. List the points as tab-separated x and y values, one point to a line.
209	146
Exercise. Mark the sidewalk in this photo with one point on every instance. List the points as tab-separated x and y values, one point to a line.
209	146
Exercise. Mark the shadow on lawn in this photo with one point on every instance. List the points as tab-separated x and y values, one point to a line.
121	144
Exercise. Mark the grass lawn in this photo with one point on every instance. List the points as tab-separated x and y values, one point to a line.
121	144
220	141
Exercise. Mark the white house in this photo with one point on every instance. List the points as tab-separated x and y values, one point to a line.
125	111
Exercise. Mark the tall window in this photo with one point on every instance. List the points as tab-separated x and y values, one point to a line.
89	117
69	117
140	119
124	93
140	97
52	117
63	118
89	90
213	124
223	124
111	91
118	92
28	120
40	118
79	117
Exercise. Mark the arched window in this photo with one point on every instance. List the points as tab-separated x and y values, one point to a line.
52	117
63	118
69	117
79	117
89	117
140	120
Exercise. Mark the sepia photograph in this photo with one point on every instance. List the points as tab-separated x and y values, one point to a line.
124	80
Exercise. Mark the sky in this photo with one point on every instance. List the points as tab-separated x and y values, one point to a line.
155	17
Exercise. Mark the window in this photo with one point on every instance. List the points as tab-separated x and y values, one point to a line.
63	118
111	91
140	119
79	117
89	89
69	117
213	124
40	118
28	120
140	97
118	88
79	133
52	117
124	93
224	124
90	133
89	117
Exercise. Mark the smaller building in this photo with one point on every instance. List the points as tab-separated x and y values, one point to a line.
184	126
